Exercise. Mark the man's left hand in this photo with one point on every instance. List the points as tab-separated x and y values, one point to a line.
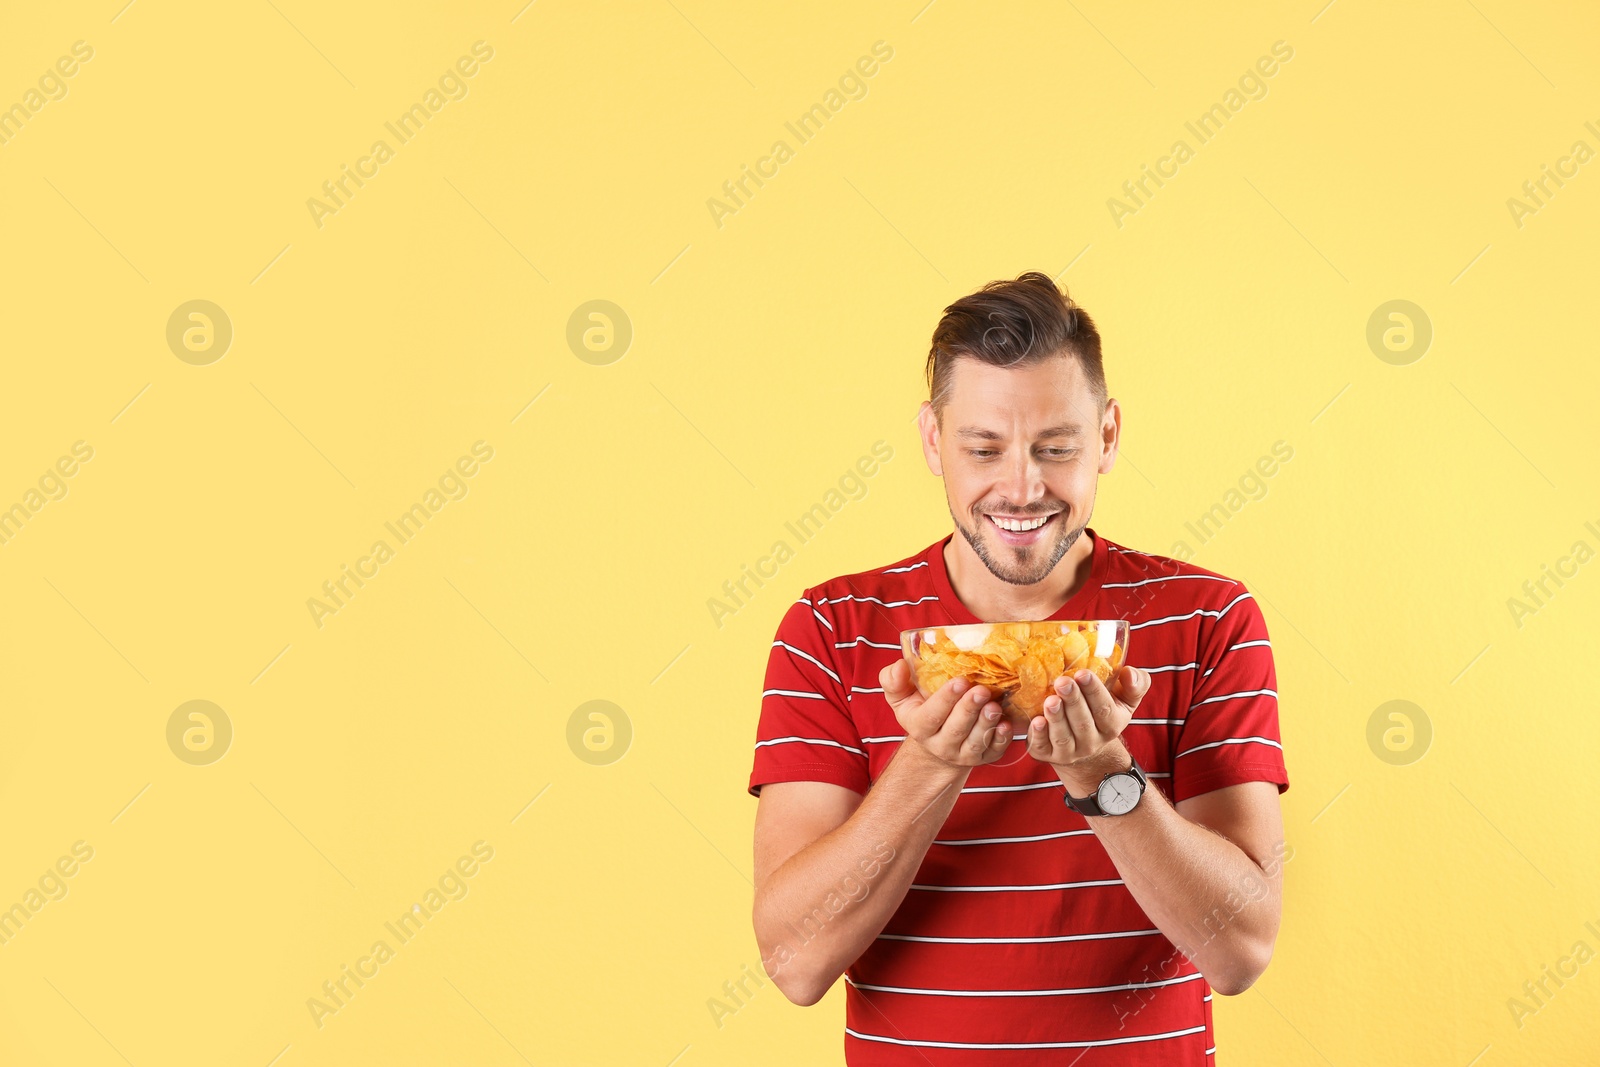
1082	724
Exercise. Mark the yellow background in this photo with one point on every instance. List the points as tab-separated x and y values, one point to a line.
768	354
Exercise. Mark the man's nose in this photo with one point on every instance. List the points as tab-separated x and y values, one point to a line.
1023	482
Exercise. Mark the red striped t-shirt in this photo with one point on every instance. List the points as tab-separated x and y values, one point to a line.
1018	941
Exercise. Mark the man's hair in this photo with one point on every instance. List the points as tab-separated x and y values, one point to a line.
1010	324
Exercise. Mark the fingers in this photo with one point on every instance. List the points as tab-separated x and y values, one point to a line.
926	718
1097	699
896	681
1039	744
1083	714
1000	740
989	736
964	716
1068	725
1076	710
1130	684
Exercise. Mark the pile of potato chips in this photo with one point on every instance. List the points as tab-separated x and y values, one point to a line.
1018	661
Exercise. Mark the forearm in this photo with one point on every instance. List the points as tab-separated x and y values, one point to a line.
1218	905
823	907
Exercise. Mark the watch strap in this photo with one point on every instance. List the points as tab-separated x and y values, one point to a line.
1090	805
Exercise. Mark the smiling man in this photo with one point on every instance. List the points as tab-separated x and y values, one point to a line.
1067	894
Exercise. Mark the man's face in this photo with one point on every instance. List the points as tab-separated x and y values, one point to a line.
1019	445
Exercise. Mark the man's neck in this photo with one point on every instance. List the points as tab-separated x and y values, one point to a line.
993	600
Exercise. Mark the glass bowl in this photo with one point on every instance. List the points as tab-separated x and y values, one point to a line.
1018	661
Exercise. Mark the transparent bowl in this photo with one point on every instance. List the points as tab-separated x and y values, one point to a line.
1017	661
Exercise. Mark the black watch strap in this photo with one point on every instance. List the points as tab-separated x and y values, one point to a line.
1090	805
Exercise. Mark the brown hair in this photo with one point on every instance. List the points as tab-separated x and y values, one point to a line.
1014	323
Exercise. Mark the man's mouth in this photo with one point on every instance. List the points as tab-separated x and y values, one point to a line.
1021	530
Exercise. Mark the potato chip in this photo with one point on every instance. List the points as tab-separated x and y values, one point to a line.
1033	685
1074	652
1053	661
1018	661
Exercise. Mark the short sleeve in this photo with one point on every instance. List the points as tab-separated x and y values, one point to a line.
1230	731
805	732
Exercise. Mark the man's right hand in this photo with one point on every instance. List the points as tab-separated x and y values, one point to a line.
958	725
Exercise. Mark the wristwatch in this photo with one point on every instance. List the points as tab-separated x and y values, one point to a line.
1118	793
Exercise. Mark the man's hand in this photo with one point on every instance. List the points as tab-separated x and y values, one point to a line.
1083	721
958	725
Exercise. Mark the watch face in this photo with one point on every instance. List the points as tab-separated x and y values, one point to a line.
1119	794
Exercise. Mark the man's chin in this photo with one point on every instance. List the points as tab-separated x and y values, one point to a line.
1030	572
1034	567
997	559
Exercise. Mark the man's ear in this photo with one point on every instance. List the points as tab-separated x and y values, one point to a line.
1110	435
928	431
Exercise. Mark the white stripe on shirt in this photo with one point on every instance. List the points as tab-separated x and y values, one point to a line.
792	693
809	741
1027	1044
901	737
1166	578
1066	992
1236	696
880	603
902	570
1052	939
1231	741
1198	611
861	641
1013	788
1009	840
802	653
1241	644
1017	888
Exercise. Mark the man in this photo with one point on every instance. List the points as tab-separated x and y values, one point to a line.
1068	894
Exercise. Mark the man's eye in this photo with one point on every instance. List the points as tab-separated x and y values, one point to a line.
1059	452
979	452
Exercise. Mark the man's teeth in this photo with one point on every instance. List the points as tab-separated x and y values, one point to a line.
1019	525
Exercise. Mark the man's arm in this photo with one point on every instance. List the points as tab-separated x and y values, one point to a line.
820	845
1208	872
831	866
